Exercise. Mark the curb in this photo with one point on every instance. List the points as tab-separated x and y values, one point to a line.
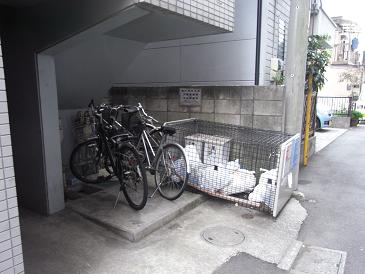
290	255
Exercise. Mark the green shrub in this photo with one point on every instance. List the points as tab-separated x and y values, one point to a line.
356	114
342	112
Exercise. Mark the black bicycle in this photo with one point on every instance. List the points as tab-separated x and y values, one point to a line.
111	154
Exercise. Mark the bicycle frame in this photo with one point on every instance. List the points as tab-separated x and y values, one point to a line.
105	146
147	146
105	140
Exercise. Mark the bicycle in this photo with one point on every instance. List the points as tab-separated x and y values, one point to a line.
110	154
166	160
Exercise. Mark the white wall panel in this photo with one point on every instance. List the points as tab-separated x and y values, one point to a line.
154	66
234	60
222	59
83	73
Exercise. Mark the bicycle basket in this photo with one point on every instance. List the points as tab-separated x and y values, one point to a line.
131	119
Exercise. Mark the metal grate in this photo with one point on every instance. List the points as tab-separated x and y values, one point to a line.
232	162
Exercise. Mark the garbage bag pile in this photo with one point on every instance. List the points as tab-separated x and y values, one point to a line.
230	178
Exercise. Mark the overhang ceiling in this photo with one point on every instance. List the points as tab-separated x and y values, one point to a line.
141	25
160	26
20	3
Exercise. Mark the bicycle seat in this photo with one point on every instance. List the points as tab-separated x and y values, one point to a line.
130	109
168	130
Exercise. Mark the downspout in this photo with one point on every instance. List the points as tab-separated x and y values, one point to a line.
258	42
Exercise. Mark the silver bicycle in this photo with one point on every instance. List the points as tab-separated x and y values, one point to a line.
163	159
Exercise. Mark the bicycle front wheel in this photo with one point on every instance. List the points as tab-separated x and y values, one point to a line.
171	174
132	175
88	162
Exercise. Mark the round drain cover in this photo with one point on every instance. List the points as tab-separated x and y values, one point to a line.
223	236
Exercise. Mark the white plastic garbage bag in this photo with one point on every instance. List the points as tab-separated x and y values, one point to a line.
265	191
242	180
180	168
196	166
192	154
215	178
233	165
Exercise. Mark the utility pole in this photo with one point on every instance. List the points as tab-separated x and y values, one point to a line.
296	65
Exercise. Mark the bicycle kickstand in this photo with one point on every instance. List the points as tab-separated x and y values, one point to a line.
154	192
117	200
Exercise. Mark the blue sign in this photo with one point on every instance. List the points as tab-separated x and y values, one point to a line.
354	43
295	153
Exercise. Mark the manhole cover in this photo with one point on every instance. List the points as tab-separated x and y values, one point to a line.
247	216
223	236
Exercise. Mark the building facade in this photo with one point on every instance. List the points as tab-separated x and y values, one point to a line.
58	55
345	73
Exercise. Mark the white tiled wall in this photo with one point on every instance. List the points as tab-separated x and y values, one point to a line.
219	13
11	255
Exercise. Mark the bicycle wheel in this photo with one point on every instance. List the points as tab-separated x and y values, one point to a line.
88	162
132	175
171	174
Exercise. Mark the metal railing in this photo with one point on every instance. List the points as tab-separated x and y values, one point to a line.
337	106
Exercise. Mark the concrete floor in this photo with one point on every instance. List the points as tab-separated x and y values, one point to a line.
334	188
127	222
68	243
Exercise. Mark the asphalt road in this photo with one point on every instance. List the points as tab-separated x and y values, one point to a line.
246	264
334	186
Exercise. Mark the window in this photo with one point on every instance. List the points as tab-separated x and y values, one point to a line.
281	39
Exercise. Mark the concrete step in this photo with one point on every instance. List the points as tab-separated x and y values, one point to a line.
290	255
302	259
314	259
126	222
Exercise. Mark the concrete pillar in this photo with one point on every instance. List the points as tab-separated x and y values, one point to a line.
51	133
296	65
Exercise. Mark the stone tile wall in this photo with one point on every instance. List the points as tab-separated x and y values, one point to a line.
257	107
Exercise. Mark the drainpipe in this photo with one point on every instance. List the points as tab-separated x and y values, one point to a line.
258	42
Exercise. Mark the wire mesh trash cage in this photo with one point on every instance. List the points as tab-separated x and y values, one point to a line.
239	164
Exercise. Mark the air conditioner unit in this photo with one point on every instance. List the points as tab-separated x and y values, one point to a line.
277	66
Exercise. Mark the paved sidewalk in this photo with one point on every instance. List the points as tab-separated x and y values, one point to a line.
334	188
326	136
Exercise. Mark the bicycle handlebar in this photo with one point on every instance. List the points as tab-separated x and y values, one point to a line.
140	107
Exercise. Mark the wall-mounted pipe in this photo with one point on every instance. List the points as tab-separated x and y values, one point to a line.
258	42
